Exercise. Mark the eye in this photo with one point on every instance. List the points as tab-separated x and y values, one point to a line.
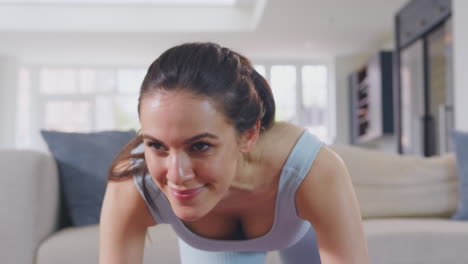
157	146
200	146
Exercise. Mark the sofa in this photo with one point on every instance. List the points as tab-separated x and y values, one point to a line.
406	203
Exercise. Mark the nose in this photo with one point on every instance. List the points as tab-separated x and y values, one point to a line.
179	169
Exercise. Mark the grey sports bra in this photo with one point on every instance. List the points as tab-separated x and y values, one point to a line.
287	227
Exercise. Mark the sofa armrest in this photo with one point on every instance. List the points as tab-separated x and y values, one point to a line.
29	197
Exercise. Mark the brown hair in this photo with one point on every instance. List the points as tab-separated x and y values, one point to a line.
207	70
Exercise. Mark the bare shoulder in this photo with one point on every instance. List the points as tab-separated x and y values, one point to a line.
326	162
326	199
278	141
124	198
327	176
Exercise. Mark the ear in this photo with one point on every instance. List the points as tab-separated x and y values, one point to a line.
249	138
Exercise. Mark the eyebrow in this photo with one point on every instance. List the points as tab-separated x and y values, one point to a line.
187	141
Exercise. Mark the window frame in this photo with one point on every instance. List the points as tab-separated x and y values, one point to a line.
38	100
299	63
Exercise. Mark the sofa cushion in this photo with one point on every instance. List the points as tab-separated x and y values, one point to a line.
390	185
460	140
83	161
417	240
68	245
391	241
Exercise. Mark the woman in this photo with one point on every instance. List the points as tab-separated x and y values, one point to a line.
234	184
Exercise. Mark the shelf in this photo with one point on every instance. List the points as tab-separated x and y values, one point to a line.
367	86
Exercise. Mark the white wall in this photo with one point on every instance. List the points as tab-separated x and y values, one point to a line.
8	81
460	54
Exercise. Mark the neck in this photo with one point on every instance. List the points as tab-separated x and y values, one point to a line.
243	189
250	167
245	176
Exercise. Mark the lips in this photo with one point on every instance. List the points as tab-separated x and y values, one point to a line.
186	194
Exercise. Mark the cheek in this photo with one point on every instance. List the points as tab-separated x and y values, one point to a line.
155	167
221	168
216	170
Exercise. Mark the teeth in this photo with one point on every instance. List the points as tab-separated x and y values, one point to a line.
182	189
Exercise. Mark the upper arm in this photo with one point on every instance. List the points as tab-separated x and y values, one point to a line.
326	198
123	224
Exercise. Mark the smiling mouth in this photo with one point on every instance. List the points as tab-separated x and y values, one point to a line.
186	194
182	189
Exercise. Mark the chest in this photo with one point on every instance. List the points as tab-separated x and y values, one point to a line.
252	223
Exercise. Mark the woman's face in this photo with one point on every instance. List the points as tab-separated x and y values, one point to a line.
190	149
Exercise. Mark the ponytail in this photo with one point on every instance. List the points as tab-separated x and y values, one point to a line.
268	103
263	91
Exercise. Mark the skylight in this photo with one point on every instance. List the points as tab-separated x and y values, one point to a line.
130	15
201	3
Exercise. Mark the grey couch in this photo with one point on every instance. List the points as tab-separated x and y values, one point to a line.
400	225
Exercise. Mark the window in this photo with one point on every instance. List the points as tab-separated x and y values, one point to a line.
283	84
301	96
314	100
76	99
23	120
87	99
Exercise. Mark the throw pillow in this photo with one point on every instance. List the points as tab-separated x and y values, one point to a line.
390	185
83	160
460	140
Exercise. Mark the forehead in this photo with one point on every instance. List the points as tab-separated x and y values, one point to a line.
180	113
179	100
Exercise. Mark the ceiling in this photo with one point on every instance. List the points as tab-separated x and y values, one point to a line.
259	28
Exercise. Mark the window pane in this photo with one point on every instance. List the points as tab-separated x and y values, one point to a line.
117	112
104	113
68	116
314	100
314	85
129	80
105	80
283	84
58	81
88	80
23	110
260	69
126	113
97	81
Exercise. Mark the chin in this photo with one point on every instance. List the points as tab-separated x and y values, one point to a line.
191	210
188	214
